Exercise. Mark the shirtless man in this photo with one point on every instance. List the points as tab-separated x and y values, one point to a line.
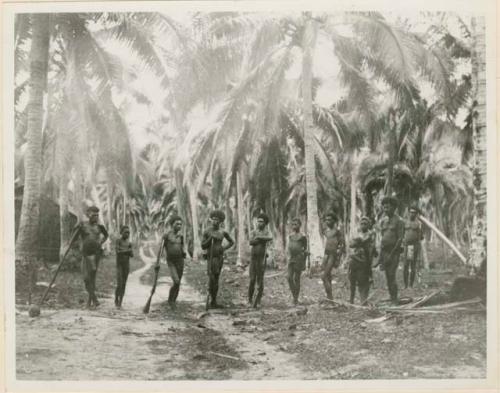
92	236
333	250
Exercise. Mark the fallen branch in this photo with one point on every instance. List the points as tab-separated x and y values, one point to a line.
224	356
379	319
454	304
344	304
415	311
274	275
422	301
437	308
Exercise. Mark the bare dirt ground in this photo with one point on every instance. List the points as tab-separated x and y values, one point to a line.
314	340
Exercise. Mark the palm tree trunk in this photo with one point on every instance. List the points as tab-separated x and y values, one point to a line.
309	41
109	198
124	207
249	215
354	181
64	224
241	220
194	218
479	233
392	153
27	238
346	226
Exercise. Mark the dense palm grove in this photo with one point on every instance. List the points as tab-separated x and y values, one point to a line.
146	116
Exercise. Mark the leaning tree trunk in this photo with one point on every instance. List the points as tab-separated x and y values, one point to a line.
27	238
308	43
242	244
109	211
478	247
194	220
393	148
64	221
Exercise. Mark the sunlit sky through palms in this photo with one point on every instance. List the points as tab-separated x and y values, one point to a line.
325	68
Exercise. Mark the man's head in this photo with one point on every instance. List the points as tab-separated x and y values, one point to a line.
175	223
389	204
125	232
296	223
217	217
414	211
356	242
262	220
330	220
93	214
365	223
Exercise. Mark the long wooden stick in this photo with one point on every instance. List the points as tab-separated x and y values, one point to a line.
443	238
71	240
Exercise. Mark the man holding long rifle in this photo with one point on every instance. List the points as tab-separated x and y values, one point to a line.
92	235
173	241
259	240
212	241
392	232
145	310
333	251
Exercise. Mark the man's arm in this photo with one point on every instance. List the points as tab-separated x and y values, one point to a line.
229	239
401	233
254	240
182	247
303	241
104	233
206	240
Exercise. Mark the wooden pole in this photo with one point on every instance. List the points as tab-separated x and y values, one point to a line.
441	235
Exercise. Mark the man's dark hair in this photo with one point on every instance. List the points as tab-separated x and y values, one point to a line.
389	200
297	219
92	209
218	214
332	215
415	208
174	218
264	217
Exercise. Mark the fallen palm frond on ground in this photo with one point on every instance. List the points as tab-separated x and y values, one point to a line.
447	307
416	307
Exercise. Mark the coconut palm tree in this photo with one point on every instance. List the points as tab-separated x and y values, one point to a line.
84	119
477	254
27	238
373	50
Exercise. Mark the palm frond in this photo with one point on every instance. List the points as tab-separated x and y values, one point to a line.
389	53
351	60
135	35
329	120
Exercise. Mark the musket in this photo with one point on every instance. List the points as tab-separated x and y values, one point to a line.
145	310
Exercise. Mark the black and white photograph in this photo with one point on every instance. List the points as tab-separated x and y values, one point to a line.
206	192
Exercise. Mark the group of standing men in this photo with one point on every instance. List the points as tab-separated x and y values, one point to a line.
396	236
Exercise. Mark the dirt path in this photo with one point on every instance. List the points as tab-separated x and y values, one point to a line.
110	344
